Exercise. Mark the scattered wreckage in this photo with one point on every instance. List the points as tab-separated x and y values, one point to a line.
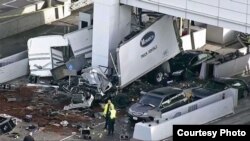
76	77
80	101
92	80
91	84
6	125
67	61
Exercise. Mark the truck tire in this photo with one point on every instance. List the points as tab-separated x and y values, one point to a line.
156	77
159	77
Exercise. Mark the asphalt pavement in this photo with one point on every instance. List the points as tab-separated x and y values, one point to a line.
18	43
7	5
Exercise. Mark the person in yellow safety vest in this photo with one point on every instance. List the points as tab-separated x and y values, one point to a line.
112	121
106	112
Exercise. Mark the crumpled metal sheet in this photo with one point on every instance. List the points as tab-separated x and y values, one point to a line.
95	77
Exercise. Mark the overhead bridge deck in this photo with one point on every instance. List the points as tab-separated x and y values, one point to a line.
232	14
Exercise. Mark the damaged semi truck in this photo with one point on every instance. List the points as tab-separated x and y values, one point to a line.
146	51
135	57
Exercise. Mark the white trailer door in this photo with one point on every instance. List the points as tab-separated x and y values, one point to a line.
56	57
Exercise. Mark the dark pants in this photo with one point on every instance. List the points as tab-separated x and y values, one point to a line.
111	126
107	119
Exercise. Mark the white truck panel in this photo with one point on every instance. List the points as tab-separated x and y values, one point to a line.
80	40
199	38
147	50
56	57
42	44
186	42
39	53
13	66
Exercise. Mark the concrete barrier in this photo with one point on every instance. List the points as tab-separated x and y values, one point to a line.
232	67
27	9
30	21
161	131
81	3
198	112
13	66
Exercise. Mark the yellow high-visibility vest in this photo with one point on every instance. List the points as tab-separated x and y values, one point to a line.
106	108
112	114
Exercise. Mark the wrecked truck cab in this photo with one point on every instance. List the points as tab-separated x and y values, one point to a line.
91	80
92	84
94	78
6	125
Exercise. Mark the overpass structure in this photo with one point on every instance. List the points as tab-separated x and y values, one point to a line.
232	14
110	28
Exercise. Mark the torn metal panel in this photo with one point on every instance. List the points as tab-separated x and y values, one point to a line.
95	77
61	72
77	63
80	41
92	80
10	65
80	101
46	53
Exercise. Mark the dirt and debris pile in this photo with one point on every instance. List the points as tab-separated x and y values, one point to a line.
42	107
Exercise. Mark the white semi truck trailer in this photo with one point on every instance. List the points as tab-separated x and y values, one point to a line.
153	46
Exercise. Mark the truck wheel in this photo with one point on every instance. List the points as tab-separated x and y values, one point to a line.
159	77
156	77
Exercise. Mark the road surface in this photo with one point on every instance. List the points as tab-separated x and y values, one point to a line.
7	5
